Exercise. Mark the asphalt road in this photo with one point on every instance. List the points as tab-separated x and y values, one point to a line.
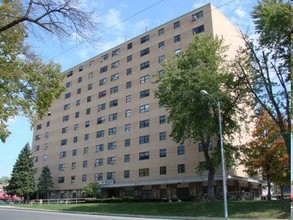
20	214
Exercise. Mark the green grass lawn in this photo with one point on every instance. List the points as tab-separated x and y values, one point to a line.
279	209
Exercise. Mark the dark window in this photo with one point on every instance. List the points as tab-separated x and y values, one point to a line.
177	38
163	152
129	71
74	152
39	126
115	77
114	89
104	58
144	108
84	178
144	155
103	69
163	170
67	95
144	65
181	168
197	15
144	123
129	46
100	147
112	145
89	99
63	142
103	81
90	86
69	84
102	94
84	164
79	80
198	29
61	179
144	52
180	150
101	106
78	91
62	154
99	162
115	64
126	173
202	146
163	136
112	131
80	68
70	73
129	58
144	39
161	31
67	106
100	134
161	45
101	120
113	117
144	93
144	139
176	24
163	119
75	139
113	103
128	84
76	114
111	160
127	143
88	111
115	52
87	124
127	158
144	172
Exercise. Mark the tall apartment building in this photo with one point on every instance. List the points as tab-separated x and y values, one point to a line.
108	127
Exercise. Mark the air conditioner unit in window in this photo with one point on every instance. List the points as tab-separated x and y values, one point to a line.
194	17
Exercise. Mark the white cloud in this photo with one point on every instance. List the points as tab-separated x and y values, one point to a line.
113	20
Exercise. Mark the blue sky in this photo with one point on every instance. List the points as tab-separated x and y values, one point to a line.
117	21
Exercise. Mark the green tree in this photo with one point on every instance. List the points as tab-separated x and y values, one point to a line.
92	189
265	62
4	180
266	153
45	183
193	117
22	177
27	85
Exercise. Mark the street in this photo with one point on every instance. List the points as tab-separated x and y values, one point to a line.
17	214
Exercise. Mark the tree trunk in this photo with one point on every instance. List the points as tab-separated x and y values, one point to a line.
269	188
211	183
282	191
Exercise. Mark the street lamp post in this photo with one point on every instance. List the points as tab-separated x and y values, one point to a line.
204	92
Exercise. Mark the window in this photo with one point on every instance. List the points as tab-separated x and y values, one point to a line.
45	157
73	165
36	148
127	127
163	119
129	46
84	164
102	94
202	146
161	45
180	150
113	103
144	172
163	170
99	162
114	90
101	106
144	93
67	106
144	155
103	81
128	98
127	158
144	108
89	99
128	84
72	179
48	124
129	58
74	152
112	145
144	65
115	77
76	114
178	51
86	137
84	178
67	95
46	146
62	154
77	103
126	174
79	80
91	63
62	167
144	51
36	159
100	134
115	52
198	29
128	113
144	79
69	84
163	136
144	123
49	113
100	147
111	160
78	91
177	38
63	142
163	152
111	175
85	150
88	111
113	117
181	168
38	137
127	143
128	71
197	16
103	69
176	24
104	57
76	126
203	165
144	139
64	130
80	68
98	176
144	39
112	131
100	120
39	126
161	73
61	179
161	31
161	58
75	139
115	64
70	73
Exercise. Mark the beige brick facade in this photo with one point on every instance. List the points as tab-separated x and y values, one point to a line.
108	127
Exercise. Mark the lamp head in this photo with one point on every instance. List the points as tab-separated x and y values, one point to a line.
203	92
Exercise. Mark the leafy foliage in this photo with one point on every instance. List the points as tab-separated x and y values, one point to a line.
45	183
22	176
266	153
194	118
92	189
